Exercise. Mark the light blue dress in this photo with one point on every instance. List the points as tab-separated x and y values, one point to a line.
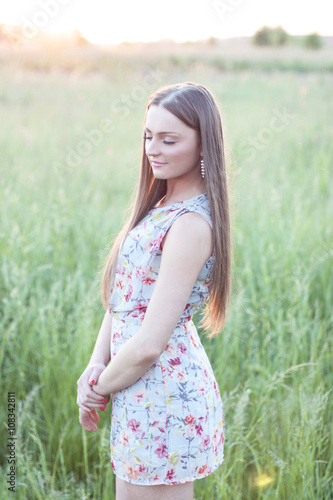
168	427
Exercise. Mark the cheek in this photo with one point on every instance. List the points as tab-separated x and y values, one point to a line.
182	154
176	154
188	156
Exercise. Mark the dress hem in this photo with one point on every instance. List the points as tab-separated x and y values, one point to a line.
170	483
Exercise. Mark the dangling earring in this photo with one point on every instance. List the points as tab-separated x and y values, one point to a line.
202	169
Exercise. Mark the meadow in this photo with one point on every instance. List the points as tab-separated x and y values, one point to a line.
70	152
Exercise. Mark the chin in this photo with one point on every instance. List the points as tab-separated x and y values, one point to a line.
159	175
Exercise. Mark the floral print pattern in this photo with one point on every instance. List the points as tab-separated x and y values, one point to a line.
168	427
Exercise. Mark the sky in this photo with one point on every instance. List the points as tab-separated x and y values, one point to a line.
111	21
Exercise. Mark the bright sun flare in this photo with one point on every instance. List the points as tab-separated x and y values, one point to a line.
103	21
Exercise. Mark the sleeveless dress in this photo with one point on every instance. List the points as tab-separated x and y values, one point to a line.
168	427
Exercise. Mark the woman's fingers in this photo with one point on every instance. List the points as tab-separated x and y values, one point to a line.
87	421
89	400
96	371
94	415
89	408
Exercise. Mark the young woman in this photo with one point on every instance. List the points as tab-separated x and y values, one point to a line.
172	255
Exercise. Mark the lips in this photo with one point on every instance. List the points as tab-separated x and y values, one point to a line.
157	163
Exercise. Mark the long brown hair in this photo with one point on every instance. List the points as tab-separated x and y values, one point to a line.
194	105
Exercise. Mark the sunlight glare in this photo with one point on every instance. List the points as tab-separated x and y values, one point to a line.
263	480
107	22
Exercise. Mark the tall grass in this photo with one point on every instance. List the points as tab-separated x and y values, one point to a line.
273	361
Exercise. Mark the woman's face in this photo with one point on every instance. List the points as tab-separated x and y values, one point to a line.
172	147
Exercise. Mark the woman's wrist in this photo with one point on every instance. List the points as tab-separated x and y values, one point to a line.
101	386
100	389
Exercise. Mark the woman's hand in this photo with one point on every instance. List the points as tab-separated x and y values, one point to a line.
87	399
87	420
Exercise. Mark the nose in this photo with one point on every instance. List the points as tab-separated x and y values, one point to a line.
152	148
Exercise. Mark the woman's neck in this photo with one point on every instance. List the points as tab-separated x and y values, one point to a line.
176	193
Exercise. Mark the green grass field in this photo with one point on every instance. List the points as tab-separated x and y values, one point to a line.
70	153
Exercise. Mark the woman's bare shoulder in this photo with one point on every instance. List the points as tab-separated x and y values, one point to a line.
193	231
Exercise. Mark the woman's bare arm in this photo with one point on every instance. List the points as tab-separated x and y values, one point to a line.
87	399
101	352
186	248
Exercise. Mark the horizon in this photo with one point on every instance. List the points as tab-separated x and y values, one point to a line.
106	23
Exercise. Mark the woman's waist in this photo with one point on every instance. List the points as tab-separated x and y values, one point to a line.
136	316
125	325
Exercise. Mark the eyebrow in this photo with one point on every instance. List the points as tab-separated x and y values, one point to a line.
163	133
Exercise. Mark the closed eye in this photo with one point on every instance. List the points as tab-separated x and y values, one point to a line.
148	138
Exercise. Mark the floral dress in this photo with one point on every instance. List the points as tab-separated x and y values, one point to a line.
168	427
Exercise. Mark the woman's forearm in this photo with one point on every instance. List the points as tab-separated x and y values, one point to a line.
101	352
130	363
